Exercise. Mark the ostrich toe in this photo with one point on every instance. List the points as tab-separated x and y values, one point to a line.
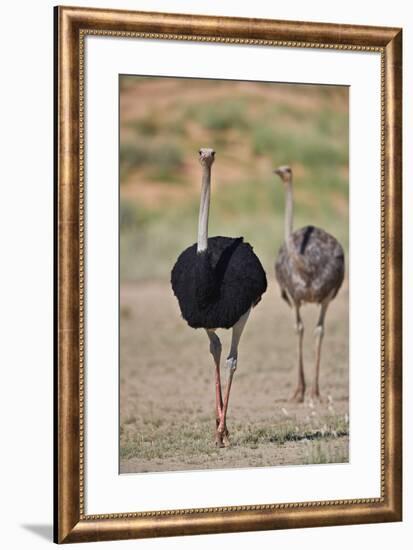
298	395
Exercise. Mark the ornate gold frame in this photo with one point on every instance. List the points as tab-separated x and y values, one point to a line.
72	25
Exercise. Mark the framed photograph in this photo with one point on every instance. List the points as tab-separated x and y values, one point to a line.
228	323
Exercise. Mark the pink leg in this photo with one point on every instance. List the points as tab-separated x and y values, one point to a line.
319	333
237	330
215	349
298	395
222	429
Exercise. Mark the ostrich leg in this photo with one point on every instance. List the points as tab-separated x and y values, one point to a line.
231	364
298	395
215	348
319	333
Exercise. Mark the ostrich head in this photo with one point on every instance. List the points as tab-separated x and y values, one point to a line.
206	157
285	173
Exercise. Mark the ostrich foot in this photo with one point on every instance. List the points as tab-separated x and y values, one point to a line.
222	437
219	440
298	395
316	396
225	438
219	435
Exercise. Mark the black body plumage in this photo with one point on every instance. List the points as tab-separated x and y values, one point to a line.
216	287
313	269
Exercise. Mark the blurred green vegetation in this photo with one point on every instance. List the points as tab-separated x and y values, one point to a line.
163	159
221	116
254	127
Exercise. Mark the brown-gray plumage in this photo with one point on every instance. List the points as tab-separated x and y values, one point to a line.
309	268
315	267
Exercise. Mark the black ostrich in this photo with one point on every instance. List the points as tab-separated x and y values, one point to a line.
309	268
217	281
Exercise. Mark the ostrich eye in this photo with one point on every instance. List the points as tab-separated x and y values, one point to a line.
213	153
200	151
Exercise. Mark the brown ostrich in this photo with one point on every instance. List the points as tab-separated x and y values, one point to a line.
309	268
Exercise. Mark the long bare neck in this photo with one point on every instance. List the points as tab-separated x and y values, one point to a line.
204	209
289	212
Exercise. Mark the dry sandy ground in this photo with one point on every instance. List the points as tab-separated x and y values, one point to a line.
167	387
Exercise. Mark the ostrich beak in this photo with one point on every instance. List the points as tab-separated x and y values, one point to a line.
277	171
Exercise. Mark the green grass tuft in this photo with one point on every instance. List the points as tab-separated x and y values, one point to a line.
159	440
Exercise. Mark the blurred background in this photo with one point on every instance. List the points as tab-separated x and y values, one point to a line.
254	127
166	372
